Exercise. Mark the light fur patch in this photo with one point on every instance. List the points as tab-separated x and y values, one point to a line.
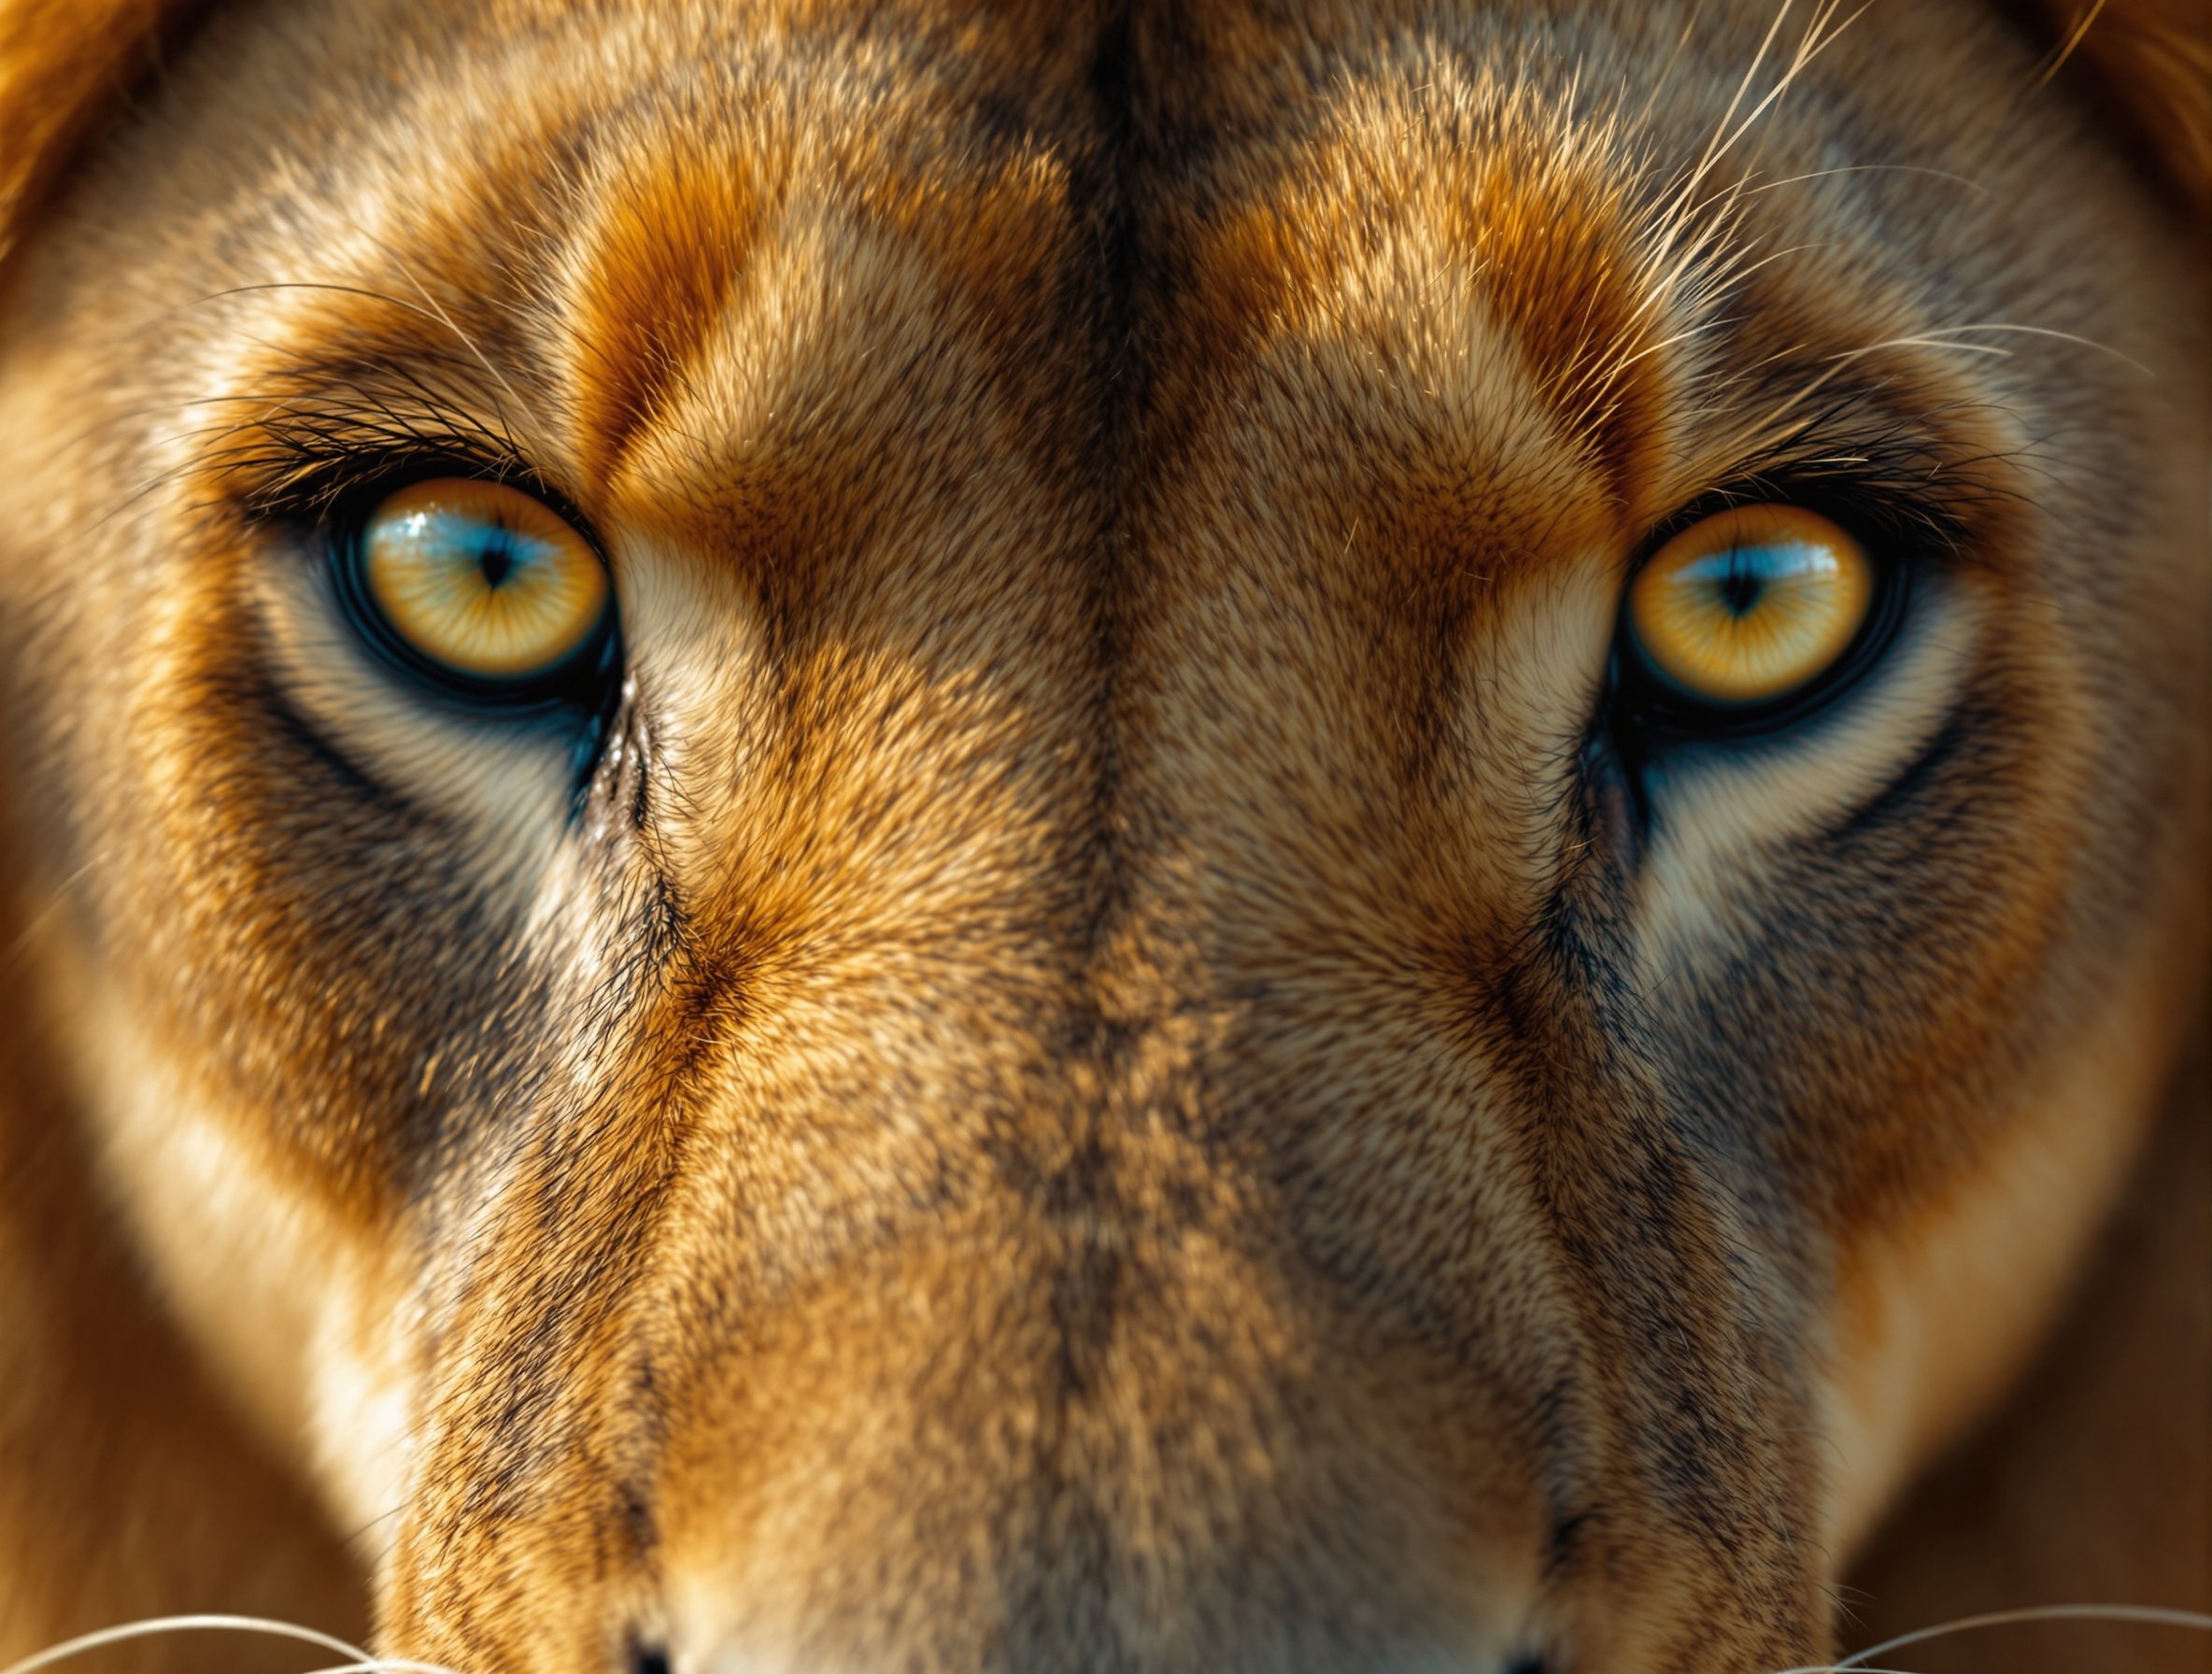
1937	1313
297	1327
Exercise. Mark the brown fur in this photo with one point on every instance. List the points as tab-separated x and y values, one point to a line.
1108	1071
2147	66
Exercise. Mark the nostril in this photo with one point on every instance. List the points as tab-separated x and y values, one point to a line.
1527	1664
648	1659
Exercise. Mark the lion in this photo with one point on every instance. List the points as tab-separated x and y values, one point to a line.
1121	837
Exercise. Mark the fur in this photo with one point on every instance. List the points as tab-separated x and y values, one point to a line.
1108	1067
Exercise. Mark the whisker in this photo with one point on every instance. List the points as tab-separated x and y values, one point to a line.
1873	168
468	342
2074	338
18	947
1811	48
1818	37
2074	38
2142	1614
153	1626
1716	146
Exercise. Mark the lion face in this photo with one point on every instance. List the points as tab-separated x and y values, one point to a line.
1128	1003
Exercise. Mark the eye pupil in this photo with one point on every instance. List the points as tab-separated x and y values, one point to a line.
498	560
1743	585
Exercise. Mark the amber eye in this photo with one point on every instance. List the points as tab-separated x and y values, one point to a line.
1744	607
480	582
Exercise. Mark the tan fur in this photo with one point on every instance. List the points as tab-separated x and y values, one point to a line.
1105	1072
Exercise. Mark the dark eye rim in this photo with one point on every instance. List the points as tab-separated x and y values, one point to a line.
582	682
1900	538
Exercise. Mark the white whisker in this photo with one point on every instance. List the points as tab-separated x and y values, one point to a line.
1811	48
1718	143
2074	338
2140	1614
154	1626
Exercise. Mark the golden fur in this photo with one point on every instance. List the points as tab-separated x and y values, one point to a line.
1107	1070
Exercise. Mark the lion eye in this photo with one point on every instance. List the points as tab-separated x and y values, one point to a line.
480	585
1751	605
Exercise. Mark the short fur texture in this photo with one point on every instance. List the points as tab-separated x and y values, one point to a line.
1106	1067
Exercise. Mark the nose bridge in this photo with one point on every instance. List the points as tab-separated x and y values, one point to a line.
1053	1303
1091	1413
1182	1344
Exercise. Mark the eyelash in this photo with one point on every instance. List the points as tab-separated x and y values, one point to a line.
316	483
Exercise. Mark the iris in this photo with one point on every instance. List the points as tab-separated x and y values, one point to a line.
481	581
1750	606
